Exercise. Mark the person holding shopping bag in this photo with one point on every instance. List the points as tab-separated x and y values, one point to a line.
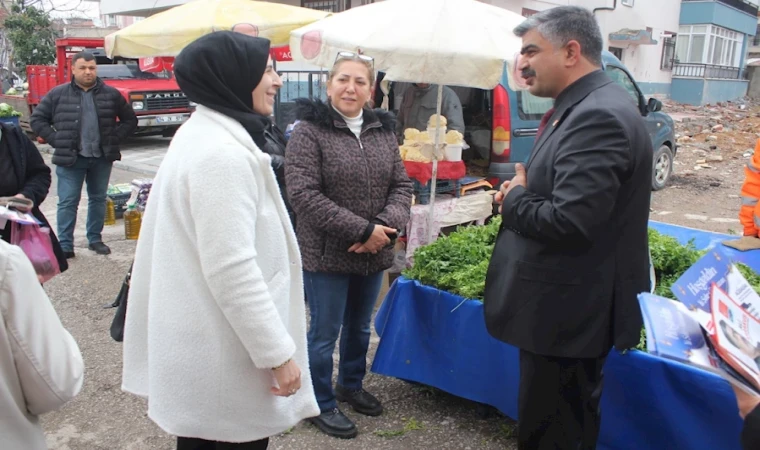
215	333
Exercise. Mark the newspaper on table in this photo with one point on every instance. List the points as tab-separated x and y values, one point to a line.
715	325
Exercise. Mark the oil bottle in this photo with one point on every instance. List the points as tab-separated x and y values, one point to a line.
132	222
110	217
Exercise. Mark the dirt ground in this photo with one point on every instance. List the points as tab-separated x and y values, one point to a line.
103	417
714	144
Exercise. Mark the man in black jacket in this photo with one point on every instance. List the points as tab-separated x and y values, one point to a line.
572	253
79	120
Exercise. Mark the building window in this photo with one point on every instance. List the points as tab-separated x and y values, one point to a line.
617	51
528	12
709	44
324	5
627	3
668	52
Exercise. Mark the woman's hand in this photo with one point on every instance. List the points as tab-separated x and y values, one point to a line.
21	207
376	242
288	379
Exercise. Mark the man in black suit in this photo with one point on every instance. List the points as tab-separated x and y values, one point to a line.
572	253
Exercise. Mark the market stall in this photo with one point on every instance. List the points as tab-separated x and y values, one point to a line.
437	338
475	207
421	49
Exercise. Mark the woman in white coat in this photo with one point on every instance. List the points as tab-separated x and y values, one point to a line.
215	333
41	367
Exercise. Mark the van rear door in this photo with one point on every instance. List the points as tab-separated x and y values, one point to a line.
516	116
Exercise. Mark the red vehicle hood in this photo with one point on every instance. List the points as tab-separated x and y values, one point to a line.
128	86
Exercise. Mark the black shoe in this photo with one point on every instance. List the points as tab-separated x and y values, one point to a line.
68	255
100	248
362	401
334	423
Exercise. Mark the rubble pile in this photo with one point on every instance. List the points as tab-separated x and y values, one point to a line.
709	135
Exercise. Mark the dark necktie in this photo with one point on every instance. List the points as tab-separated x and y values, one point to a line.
544	120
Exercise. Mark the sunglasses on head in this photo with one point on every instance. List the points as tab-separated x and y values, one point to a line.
354	56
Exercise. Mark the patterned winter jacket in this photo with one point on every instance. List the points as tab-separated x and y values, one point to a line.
339	187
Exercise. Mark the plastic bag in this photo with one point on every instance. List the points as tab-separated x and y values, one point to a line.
36	244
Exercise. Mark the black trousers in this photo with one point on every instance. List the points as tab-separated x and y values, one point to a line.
184	443
558	402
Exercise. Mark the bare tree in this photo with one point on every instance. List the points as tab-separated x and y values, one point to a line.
46	5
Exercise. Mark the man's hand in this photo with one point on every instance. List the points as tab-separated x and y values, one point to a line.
520	179
747	402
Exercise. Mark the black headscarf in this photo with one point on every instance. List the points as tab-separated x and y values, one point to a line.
220	71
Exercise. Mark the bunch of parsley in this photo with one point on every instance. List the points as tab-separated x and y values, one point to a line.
457	263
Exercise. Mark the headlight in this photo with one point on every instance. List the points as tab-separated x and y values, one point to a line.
138	105
192	104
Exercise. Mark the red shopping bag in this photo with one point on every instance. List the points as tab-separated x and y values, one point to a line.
36	244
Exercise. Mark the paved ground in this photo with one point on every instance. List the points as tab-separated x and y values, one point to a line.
104	418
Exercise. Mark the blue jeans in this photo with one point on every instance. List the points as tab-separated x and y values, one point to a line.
97	172
337	300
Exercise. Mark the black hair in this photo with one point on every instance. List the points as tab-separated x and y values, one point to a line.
563	24
87	56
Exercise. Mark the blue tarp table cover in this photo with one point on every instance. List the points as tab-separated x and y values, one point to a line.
439	339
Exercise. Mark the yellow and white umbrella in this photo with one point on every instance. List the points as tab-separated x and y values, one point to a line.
167	33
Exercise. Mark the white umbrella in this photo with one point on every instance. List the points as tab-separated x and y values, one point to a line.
444	42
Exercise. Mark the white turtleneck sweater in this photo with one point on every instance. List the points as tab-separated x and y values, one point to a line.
354	123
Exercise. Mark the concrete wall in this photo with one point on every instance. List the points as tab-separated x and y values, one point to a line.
642	60
655	89
518	5
701	92
754	81
695	13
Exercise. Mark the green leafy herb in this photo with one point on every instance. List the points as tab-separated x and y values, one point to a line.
670	260
7	110
457	263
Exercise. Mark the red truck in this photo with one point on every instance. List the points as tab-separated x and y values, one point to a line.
147	84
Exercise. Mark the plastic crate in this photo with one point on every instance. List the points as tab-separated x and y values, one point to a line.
422	191
41	80
10	120
120	203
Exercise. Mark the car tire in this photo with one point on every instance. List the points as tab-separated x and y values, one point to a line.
662	167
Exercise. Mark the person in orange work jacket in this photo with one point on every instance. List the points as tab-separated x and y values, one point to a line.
749	214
